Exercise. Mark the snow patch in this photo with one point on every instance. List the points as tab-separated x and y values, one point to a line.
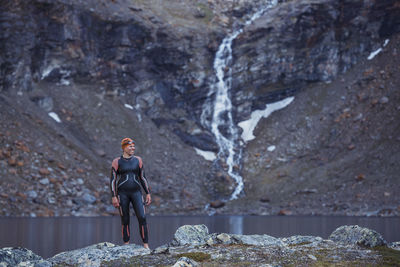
377	51
373	54
48	70
249	125
128	106
386	42
64	78
139	116
54	116
208	155
271	148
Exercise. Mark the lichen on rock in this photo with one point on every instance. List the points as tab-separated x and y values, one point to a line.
356	235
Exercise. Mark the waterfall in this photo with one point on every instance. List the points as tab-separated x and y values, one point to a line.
217	109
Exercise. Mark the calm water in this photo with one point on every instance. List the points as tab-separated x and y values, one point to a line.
49	236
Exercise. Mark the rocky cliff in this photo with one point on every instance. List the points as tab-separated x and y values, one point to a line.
78	76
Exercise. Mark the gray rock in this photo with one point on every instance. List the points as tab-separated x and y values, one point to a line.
44	181
384	100
95	254
356	235
89	198
224	238
32	194
190	235
14	256
312	257
395	245
257	240
298	239
185	262
161	250
44	102
36	263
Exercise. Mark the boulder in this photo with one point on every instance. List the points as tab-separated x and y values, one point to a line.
356	235
190	235
95	254
14	256
257	240
302	240
395	245
185	262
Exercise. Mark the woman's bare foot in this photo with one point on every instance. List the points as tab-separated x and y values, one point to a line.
145	245
126	243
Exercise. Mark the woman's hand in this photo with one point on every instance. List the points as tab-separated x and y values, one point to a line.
115	202
148	200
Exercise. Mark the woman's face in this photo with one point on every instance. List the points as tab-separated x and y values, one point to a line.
130	149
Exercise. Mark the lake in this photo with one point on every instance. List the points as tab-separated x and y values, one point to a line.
49	236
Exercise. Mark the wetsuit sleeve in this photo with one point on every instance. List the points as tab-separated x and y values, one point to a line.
144	182
113	178
142	177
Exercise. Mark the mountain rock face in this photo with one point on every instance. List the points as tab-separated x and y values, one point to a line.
104	70
303	42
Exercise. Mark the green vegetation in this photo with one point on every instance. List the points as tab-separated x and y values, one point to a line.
122	262
300	244
197	256
208	14
390	257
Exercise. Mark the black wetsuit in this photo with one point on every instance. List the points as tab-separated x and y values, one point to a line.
127	175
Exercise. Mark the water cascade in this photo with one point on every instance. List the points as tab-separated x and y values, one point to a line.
217	109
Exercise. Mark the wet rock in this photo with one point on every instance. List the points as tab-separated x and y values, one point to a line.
185	262
190	235
14	256
356	235
95	254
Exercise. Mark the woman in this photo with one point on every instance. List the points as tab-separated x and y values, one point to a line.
127	175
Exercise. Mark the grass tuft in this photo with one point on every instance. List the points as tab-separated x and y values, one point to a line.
197	256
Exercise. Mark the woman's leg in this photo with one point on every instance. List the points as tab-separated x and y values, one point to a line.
124	212
138	206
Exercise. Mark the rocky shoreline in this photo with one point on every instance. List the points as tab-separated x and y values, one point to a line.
193	245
